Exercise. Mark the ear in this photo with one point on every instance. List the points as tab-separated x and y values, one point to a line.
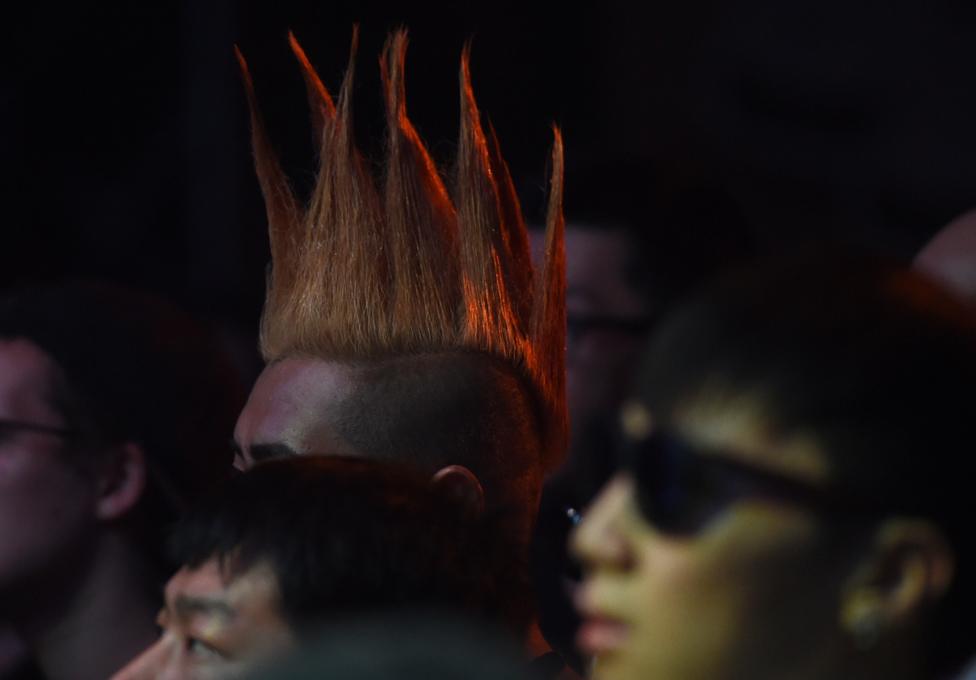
908	568
461	485
121	481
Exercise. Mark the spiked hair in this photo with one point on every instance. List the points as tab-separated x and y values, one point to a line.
368	271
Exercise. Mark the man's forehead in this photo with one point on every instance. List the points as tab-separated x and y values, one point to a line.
596	271
739	424
212	588
292	402
295	380
204	581
951	256
26	375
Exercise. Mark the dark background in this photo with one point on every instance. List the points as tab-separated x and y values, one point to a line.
126	155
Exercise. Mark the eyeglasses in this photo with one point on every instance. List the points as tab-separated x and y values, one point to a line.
10	427
680	490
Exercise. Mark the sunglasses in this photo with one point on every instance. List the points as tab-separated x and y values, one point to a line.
681	488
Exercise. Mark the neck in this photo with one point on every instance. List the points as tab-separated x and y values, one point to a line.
898	658
90	629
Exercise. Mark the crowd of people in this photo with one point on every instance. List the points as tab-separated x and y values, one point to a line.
618	447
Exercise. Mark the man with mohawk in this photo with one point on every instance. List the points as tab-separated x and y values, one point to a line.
406	322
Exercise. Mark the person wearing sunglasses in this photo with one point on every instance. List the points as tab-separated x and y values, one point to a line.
636	242
791	500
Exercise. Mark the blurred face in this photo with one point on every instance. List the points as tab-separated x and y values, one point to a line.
214	627
600	353
752	591
950	256
606	325
289	411
46	503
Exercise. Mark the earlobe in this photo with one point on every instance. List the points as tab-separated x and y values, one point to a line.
461	485
122	481
909	568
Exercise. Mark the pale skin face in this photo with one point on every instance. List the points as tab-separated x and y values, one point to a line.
214	627
756	593
47	505
288	412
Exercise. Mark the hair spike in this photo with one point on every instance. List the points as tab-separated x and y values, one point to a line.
421	222
283	211
406	270
491	320
320	104
549	313
515	238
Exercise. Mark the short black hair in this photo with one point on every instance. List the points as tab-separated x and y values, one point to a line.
136	369
346	535
871	359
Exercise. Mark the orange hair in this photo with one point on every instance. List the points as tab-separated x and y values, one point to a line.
368	271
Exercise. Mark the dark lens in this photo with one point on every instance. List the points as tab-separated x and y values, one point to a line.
676	491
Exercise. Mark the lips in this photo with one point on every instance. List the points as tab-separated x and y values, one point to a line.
600	635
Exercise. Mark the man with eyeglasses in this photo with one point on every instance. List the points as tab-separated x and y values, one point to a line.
114	410
635	243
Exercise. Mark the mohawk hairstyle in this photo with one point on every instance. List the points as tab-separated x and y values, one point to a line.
368	271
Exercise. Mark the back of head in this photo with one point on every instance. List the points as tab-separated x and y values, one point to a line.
403	273
138	370
869	360
346	535
950	256
435	410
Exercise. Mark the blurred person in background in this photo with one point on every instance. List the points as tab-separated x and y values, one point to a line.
950	256
298	542
114	413
636	243
791	500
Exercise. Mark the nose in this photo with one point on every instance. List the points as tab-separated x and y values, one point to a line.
600	539
157	662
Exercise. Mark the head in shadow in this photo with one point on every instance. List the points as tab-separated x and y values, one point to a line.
114	414
637	242
297	542
791	499
950	256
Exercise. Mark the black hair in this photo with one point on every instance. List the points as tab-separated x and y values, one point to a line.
349	535
872	360
135	369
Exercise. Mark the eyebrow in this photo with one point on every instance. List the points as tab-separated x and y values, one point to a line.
186	607
262	452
